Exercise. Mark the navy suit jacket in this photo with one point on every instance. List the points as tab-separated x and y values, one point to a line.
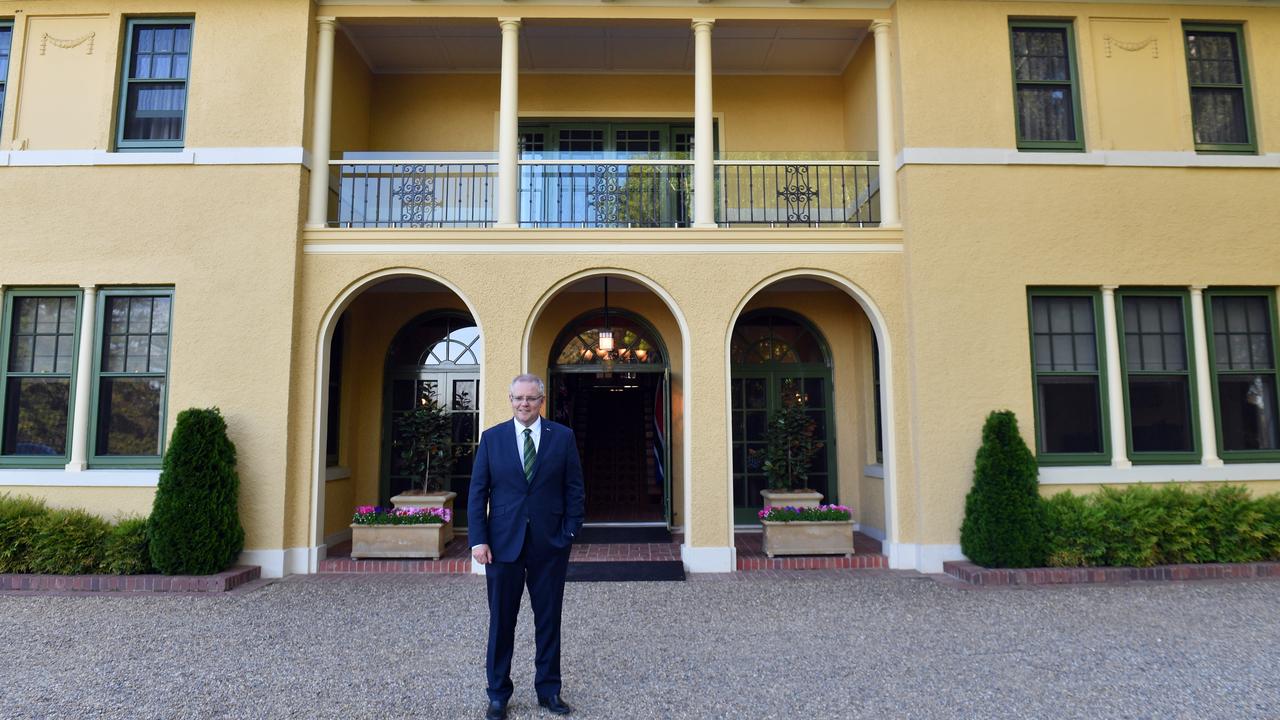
551	505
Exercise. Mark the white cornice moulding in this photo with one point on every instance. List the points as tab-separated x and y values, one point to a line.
84	478
193	156
1111	158
1106	475
359	248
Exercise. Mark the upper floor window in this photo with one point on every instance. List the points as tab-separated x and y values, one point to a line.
1046	88
1221	109
6	43
153	87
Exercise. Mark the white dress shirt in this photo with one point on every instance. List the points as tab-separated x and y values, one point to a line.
536	427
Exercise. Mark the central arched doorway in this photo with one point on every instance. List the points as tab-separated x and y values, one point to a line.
618	403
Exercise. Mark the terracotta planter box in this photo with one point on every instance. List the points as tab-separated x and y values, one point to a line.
439	499
826	537
397	541
792	498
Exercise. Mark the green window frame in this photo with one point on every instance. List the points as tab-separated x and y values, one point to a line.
1217	83
6	49
878	419
131	364
1045	80
154	73
1068	351
1149	356
26	360
1242	334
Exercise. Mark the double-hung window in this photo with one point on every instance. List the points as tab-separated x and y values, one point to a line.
1221	109
132	376
153	87
1242	354
1069	382
1046	87
39	367
6	46
1159	376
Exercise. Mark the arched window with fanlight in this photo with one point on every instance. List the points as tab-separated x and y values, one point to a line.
434	357
777	355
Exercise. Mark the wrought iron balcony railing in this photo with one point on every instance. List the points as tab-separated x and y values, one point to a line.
603	193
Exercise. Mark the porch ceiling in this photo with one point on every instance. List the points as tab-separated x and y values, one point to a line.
593	46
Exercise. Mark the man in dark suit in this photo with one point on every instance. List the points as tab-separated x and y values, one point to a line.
528	476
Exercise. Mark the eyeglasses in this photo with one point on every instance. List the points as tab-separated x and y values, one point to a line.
531	399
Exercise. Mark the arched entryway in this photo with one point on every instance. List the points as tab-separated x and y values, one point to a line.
435	357
777	356
618	401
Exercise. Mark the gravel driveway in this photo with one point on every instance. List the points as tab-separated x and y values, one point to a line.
790	645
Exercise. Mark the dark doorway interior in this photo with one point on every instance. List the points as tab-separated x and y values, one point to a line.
617	421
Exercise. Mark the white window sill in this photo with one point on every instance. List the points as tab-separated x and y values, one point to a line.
875	470
85	478
336	472
1106	475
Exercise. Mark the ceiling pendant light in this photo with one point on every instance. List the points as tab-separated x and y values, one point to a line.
606	333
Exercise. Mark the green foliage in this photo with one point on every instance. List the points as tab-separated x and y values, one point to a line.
1004	516
68	542
791	443
128	548
18	518
195	521
1141	526
424	438
818	513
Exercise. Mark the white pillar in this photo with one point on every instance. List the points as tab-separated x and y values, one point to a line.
704	166
1115	380
1204	380
509	127
84	381
321	117
889	215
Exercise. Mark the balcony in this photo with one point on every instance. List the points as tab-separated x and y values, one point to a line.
447	123
432	190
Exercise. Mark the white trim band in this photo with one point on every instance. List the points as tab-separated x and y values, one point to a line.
920	557
85	478
709	559
1105	475
1112	158
194	156
372	248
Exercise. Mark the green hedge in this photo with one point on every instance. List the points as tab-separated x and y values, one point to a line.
1141	526
37	539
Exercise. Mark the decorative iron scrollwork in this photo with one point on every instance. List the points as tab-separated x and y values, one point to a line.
797	193
606	194
417	193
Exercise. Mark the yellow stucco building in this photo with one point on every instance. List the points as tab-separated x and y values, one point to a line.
315	215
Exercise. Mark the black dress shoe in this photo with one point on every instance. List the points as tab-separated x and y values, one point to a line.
555	705
497	711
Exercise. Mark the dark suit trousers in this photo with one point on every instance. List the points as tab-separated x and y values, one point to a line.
543	570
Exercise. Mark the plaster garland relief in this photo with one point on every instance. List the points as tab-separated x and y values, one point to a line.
46	39
1132	45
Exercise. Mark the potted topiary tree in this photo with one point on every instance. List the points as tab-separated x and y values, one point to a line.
424	439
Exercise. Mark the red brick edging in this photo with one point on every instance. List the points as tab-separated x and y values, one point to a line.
814	562
228	579
992	577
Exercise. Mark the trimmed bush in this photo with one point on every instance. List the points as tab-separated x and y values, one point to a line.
18	517
128	548
195	520
1004	516
68	542
1073	532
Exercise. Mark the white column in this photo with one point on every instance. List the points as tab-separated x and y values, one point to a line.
321	122
1204	380
509	127
889	215
1115	388
704	167
84	381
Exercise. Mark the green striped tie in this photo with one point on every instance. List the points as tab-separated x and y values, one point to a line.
529	455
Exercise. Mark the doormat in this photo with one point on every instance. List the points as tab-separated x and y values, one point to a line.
612	535
625	571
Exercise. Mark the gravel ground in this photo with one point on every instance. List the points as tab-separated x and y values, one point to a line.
789	645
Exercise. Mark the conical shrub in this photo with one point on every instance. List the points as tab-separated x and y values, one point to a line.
1004	517
195	520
